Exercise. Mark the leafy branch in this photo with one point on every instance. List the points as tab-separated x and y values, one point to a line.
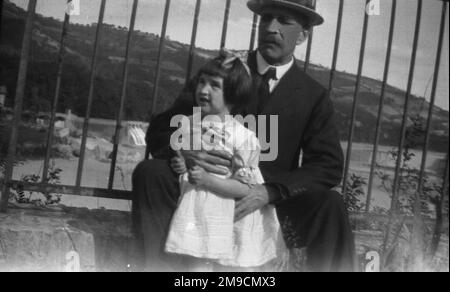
19	195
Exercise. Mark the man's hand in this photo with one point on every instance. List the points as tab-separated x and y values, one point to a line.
212	161
178	164
258	197
198	176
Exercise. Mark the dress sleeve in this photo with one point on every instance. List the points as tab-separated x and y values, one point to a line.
245	162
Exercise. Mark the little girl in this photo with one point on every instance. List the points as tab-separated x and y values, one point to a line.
203	226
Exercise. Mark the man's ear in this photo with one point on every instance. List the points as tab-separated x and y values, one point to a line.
302	37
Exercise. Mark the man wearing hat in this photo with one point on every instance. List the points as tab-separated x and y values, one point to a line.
310	212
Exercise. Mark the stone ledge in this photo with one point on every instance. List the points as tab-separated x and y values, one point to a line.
39	240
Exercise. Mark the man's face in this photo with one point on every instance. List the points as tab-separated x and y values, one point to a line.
280	32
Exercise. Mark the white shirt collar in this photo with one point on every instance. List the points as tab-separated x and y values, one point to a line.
263	66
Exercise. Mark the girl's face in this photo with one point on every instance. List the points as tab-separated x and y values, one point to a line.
209	95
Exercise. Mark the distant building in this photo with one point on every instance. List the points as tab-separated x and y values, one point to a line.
3	94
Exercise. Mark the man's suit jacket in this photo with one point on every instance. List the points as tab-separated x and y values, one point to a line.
306	124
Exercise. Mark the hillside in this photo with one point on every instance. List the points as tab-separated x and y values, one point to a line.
74	92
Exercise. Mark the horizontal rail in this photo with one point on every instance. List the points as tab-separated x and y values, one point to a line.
68	190
373	217
126	195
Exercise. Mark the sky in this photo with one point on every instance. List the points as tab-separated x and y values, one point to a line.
150	14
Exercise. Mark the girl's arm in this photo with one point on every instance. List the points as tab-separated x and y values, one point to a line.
229	188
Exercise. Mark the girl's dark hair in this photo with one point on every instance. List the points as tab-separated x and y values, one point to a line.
237	82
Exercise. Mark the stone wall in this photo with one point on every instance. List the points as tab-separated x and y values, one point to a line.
40	240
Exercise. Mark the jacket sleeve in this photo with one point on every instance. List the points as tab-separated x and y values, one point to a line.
159	130
322	163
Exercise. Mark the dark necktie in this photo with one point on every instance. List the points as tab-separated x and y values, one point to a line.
271	74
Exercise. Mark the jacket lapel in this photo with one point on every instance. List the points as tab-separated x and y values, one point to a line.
285	93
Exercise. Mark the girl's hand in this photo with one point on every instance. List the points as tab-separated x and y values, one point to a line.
178	164
198	176
211	161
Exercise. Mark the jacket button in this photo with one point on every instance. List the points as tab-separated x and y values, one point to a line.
299	191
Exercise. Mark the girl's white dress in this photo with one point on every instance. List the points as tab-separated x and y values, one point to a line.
203	224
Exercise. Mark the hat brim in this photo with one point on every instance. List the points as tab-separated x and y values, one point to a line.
314	19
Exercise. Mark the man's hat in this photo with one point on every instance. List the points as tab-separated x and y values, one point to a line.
304	8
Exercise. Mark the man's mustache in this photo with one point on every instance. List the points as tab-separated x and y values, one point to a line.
270	39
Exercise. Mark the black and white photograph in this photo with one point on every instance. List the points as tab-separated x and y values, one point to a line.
257	137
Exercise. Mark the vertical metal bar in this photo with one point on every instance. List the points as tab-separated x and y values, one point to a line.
1	17
445	185
225	24
253	34
431	106
336	47
308	47
18	102
406	106
193	38
381	104
56	96
122	97
91	94
162	41
396	183
440	213
418	228
355	99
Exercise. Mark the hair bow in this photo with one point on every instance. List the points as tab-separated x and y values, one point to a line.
230	57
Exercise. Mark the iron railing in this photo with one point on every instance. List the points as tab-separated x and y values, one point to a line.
7	182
